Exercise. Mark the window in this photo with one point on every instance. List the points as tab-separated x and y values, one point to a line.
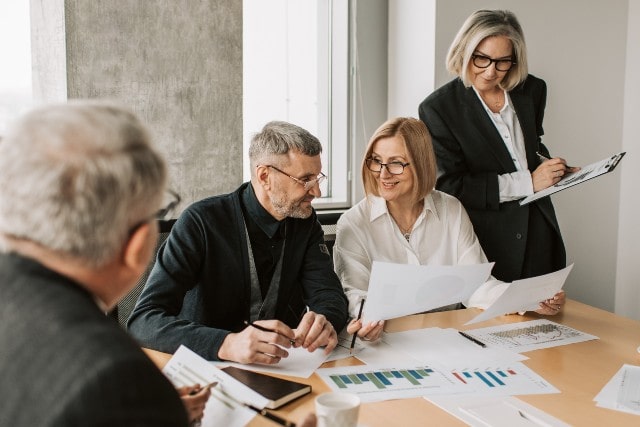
295	68
15	72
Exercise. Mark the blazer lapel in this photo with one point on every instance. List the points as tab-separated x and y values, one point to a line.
489	135
525	110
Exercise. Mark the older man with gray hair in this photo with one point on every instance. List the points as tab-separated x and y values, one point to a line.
80	184
245	276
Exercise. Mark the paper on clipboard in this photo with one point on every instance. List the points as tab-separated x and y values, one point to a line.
584	174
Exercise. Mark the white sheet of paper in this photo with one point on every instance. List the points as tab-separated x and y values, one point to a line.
448	348
383	382
299	363
502	411
186	368
622	392
525	295
529	335
344	345
401	289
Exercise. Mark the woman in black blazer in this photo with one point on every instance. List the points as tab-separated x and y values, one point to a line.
486	127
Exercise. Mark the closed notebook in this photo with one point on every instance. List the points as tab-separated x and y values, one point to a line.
277	390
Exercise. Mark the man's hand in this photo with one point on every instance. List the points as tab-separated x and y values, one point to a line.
253	345
315	331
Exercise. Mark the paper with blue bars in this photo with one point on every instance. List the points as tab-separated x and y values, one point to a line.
375	383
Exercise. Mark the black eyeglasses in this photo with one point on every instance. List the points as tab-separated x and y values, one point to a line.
394	168
482	61
174	200
307	183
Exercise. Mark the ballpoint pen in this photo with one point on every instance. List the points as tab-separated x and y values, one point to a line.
470	338
355	334
263	412
543	158
262	328
198	390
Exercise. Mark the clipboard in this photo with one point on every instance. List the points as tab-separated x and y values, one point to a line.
587	172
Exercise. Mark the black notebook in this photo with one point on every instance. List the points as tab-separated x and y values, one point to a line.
277	390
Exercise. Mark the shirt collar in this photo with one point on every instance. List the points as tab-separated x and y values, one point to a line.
267	223
505	107
379	207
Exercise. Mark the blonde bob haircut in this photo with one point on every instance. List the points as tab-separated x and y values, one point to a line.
480	25
419	151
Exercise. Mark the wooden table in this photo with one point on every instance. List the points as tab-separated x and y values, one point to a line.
579	371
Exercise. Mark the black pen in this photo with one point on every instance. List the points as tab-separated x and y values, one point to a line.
198	390
263	412
355	334
263	329
469	337
543	158
272	417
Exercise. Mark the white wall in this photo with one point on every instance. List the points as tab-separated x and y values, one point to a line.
627	301
411	55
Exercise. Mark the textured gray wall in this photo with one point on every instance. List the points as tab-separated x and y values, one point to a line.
177	63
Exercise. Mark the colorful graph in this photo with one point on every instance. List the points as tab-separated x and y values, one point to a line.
383	379
490	378
373	384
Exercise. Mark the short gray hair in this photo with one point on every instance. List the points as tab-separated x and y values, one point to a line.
77	177
480	25
277	138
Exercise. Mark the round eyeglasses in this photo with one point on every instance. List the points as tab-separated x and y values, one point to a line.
482	61
394	168
307	183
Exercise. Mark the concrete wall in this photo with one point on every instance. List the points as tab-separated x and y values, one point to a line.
177	64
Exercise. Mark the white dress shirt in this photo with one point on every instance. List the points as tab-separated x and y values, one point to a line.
519	184
442	235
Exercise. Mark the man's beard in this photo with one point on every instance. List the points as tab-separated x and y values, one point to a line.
287	208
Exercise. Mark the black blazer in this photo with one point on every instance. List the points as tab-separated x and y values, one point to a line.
471	154
63	363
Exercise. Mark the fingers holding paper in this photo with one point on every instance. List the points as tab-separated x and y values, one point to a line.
316	331
553	305
262	342
372	331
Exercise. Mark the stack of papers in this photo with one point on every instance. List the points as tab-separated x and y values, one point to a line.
622	392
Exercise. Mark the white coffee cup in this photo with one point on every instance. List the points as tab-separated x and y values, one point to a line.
337	410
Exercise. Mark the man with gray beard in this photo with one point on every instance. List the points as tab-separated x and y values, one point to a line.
246	275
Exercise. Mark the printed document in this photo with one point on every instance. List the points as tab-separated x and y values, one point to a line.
525	295
397	290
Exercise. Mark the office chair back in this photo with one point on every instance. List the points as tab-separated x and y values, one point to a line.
328	221
124	308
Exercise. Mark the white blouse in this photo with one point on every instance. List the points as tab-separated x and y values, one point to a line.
442	235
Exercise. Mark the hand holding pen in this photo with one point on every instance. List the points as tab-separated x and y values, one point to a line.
265	343
370	332
549	172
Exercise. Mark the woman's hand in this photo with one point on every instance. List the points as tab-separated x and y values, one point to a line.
369	332
194	398
553	305
549	172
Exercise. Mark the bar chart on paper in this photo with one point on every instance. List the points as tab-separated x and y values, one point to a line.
513	380
373	384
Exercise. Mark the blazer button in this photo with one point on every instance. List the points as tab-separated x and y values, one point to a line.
518	236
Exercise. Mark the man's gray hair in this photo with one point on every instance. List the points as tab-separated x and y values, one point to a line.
75	178
277	138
